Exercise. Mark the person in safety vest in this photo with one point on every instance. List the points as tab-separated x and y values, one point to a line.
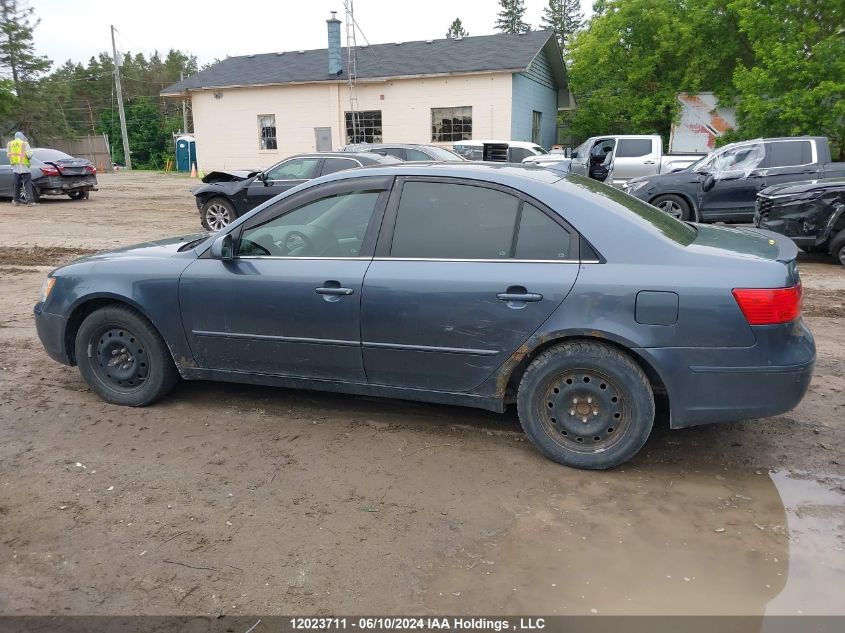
19	155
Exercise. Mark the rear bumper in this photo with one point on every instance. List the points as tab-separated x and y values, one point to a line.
51	331
62	185
706	386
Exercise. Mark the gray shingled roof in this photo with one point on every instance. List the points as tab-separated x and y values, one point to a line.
503	51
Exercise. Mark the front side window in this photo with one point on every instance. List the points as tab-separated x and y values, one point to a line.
536	118
540	237
633	147
267	131
363	127
445	221
294	169
451	124
415	155
329	227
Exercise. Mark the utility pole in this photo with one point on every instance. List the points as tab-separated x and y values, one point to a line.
184	110
126	155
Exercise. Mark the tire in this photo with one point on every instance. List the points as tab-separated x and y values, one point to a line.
837	247
675	206
141	369
78	195
36	195
586	405
217	213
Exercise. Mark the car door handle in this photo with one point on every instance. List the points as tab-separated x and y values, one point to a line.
648	162
334	291
518	293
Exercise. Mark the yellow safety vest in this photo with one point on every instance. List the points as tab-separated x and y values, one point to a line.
16	153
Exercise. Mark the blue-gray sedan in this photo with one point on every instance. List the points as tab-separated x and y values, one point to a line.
471	284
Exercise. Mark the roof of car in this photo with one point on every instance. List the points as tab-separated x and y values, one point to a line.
464	169
366	156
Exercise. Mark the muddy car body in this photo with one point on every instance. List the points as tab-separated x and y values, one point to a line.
463	283
810	213
227	195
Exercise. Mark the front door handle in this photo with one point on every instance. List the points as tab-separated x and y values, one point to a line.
518	294
334	291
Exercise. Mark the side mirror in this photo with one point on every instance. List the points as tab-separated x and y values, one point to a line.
223	247
709	182
263	178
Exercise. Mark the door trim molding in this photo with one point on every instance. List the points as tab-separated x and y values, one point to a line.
273	338
429	348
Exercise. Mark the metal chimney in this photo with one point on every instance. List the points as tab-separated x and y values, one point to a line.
335	57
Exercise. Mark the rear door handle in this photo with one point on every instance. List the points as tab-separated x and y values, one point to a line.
518	294
648	162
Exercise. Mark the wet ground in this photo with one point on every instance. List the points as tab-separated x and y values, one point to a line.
233	499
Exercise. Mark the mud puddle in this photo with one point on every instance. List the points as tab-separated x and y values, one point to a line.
667	542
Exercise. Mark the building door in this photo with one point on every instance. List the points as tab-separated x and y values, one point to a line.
323	139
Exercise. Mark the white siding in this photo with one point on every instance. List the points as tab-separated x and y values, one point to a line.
226	128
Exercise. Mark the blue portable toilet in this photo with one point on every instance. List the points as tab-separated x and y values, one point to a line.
186	152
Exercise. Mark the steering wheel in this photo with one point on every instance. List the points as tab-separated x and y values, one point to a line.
298	241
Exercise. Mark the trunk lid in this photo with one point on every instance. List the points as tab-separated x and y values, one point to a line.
751	242
71	166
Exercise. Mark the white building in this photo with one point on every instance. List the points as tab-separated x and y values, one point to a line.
253	110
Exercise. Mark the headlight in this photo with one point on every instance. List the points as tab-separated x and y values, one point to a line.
631	187
47	288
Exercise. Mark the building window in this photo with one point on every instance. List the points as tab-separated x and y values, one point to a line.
536	117
451	124
267	131
363	127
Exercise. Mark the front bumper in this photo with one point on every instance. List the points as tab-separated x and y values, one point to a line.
51	331
729	384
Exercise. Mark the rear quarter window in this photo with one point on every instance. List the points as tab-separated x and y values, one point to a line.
633	147
789	153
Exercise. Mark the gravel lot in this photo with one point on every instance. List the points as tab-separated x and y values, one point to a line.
227	499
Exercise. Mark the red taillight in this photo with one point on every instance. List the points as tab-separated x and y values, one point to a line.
769	306
49	170
90	169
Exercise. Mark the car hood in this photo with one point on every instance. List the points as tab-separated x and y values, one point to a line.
746	241
681	176
168	247
230	176
804	186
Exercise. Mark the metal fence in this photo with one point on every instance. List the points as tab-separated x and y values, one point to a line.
94	148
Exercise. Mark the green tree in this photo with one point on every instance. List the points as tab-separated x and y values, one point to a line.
20	63
456	29
565	18
510	17
796	82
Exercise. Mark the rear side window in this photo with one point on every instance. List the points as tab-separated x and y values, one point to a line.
789	153
445	221
633	147
417	155
4	157
397	152
540	237
332	165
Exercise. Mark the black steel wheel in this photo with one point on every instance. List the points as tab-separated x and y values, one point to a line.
586	405
123	358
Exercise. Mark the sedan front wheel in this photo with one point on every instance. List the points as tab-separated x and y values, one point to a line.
217	213
586	405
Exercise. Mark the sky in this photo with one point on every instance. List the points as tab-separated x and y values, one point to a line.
213	29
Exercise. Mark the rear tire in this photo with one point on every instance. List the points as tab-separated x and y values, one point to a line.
123	358
217	213
586	405
675	206
837	247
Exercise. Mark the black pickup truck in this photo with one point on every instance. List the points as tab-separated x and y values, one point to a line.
723	185
811	213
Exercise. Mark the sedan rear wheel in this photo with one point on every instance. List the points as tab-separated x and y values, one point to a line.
837	247
586	405
675	206
123	358
217	213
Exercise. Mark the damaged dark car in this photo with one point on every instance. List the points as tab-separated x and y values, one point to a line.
227	195
811	213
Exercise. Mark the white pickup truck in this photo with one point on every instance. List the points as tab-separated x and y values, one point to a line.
617	159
